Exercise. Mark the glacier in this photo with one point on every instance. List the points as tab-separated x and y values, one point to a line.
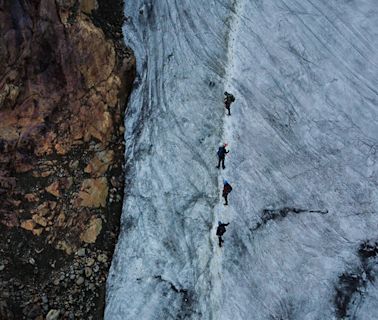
303	139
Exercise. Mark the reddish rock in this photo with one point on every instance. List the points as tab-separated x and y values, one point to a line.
100	163
40	220
31	197
28	224
53	189
93	193
92	231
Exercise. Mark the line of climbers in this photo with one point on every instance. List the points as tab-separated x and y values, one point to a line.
221	229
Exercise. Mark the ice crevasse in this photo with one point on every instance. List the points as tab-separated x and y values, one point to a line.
303	138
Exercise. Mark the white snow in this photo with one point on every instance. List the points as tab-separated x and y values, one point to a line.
303	135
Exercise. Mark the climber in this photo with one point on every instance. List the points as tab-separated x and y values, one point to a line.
221	229
226	190
221	155
228	99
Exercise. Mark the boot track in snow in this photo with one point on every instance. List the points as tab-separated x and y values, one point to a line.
221	212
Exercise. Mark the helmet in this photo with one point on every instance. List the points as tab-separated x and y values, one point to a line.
225	93
225	145
219	223
225	181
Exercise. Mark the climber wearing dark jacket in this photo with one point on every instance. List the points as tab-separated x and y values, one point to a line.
221	155
226	190
228	99
221	229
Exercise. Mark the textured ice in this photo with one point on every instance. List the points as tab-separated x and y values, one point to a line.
303	139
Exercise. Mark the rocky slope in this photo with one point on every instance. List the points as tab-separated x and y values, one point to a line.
65	77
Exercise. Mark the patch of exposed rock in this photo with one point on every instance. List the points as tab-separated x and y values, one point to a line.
65	78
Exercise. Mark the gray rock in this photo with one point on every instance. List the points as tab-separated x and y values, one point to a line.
88	272
81	252
90	262
102	258
53	314
80	281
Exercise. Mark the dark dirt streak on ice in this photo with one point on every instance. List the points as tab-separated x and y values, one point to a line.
352	284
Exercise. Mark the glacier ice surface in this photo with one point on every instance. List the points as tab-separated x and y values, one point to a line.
303	140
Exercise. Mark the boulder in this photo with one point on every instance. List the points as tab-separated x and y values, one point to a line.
93	193
92	231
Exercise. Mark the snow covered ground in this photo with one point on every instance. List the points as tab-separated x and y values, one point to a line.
303	140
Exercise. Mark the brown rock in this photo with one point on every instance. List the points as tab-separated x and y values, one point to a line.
66	183
101	127
9	219
44	208
60	219
23	167
53	189
28	224
87	6
93	193
40	220
45	146
60	149
31	197
93	230
63	245
52	204
100	163
43	174
37	232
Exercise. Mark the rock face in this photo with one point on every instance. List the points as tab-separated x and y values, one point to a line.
65	78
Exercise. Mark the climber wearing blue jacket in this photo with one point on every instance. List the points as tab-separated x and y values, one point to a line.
221	155
221	229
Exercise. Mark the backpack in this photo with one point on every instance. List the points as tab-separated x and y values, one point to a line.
221	152
221	230
227	189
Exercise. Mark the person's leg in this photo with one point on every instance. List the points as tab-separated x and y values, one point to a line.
219	162
225	199
223	164
220	240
